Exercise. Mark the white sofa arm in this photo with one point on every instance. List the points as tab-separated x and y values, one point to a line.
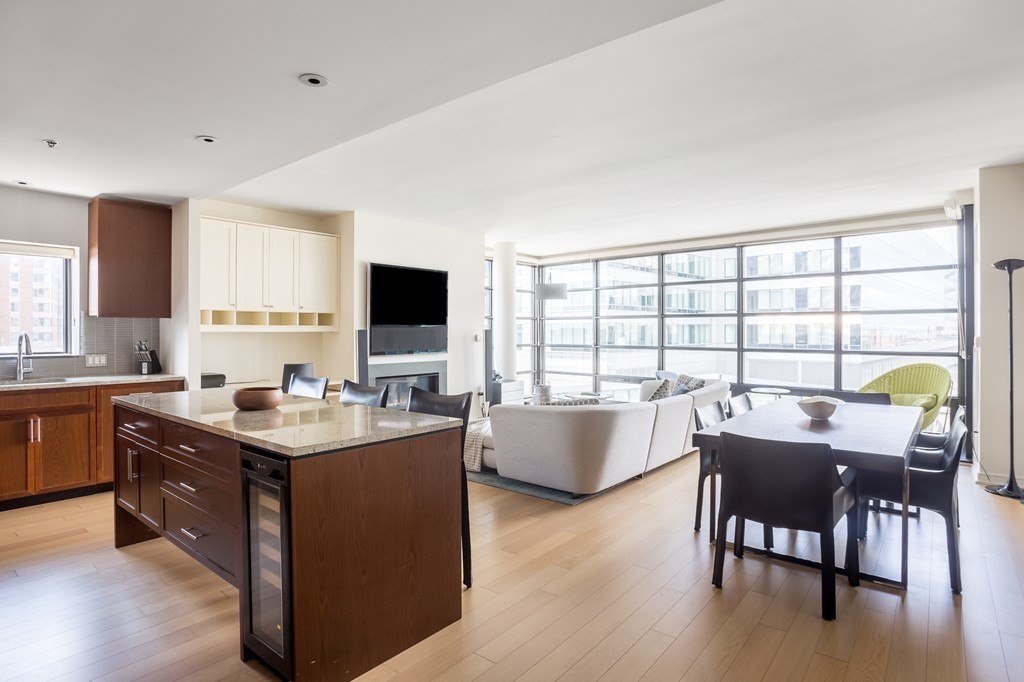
581	449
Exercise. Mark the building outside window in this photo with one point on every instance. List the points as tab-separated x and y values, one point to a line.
46	304
829	312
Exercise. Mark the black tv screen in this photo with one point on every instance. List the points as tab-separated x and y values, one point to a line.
407	310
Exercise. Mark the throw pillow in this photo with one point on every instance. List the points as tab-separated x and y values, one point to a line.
662	391
575	401
692	382
680	389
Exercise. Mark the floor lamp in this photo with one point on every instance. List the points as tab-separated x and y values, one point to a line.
1010	489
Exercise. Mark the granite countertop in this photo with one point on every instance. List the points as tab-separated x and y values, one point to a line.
296	428
57	382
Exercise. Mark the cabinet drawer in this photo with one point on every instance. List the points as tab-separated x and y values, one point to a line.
138	425
210	540
208	493
204	451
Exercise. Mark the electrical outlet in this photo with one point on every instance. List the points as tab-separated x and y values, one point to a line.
96	360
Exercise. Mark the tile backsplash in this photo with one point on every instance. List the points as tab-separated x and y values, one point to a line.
115	336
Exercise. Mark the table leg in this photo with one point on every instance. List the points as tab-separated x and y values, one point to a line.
904	521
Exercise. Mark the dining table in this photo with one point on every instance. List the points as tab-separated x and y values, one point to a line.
862	436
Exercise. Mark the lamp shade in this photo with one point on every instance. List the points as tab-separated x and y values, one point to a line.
552	291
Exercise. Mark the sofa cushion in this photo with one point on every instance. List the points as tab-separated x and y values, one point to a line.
662	391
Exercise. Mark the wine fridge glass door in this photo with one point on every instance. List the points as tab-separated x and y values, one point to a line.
265	564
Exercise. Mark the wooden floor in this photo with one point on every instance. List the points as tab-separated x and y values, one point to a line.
616	588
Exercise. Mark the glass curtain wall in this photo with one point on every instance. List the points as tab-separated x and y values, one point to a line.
526	317
831	312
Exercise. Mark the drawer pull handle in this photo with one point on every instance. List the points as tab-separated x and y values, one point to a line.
187	487
190	535
189	450
130	427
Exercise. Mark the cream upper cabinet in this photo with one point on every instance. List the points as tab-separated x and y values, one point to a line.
266	268
267	278
318	273
217	265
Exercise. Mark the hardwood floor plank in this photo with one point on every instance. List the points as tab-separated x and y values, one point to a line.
756	654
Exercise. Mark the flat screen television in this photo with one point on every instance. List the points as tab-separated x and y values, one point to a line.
407	310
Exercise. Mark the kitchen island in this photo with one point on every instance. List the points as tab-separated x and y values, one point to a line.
340	525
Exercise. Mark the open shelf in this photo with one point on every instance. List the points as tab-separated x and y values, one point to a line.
242	321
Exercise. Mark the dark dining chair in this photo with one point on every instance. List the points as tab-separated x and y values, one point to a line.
358	394
426	402
932	486
805	492
740	404
705	416
854	397
304	369
308	387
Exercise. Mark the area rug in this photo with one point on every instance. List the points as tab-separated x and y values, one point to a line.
492	479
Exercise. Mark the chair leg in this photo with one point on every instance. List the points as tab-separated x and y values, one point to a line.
852	551
828	574
700	502
467	548
769	537
714	496
739	537
716	574
953	550
862	517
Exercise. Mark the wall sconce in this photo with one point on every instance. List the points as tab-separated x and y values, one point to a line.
552	291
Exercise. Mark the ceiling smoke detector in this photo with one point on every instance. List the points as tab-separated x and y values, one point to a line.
208	139
51	143
313	80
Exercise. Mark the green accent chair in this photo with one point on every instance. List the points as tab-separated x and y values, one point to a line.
923	385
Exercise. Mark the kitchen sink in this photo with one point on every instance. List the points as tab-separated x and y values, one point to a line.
29	382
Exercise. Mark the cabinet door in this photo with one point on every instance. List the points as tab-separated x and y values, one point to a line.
149	487
249	262
217	265
280	262
65	447
126	482
16	466
318	273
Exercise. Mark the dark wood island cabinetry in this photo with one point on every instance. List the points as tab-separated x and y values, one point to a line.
338	524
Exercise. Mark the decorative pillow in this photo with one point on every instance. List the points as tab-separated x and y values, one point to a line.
662	391
925	401
575	401
680	389
693	383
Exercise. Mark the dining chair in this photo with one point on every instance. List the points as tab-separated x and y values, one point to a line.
932	486
855	397
358	394
806	492
308	387
426	402
739	404
705	416
304	369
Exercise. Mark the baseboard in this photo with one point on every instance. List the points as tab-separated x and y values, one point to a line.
20	502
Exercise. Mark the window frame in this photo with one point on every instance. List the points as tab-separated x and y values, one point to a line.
70	273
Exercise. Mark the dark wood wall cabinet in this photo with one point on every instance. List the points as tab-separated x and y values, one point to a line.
129	259
60	439
343	559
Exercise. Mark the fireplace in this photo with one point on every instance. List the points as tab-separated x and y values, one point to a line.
398	387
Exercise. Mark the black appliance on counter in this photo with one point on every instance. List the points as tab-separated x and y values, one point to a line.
210	380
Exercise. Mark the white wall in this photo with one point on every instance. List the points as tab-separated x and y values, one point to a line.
399	242
1000	220
180	341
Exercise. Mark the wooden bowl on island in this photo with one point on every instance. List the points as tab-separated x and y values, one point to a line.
257	398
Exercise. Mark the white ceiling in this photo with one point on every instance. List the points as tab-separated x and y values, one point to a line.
126	85
520	119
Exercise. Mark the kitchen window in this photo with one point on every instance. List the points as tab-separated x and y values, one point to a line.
50	269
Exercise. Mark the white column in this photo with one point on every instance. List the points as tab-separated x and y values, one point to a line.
999	215
503	326
180	339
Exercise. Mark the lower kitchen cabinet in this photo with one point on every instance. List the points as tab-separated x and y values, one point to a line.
17	470
64	444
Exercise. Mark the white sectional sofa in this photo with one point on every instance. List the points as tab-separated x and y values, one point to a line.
588	448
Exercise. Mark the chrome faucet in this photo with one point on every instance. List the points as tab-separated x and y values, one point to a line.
24	348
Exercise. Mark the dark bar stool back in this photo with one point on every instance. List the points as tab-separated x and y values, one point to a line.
308	387
304	369
358	394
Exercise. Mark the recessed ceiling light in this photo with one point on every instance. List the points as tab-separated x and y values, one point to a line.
313	80
20	182
208	139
